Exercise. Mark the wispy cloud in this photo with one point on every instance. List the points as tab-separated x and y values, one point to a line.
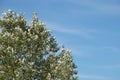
90	51
97	6
116	66
111	48
86	33
93	77
103	66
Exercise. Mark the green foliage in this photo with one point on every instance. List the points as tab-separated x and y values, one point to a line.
30	52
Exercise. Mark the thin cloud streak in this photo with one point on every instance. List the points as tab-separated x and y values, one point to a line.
86	33
106	67
97	7
117	66
89	51
111	48
93	77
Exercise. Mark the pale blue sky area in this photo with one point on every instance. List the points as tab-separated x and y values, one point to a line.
90	28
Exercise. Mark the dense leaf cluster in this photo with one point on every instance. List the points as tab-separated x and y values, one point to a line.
30	52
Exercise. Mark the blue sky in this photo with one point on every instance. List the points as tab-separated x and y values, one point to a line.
90	28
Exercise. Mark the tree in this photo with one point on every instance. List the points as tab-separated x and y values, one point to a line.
30	51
